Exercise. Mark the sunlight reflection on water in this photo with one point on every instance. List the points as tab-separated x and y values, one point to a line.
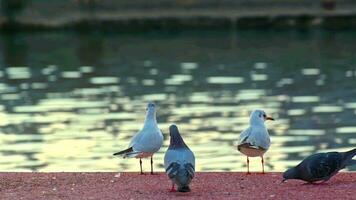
58	118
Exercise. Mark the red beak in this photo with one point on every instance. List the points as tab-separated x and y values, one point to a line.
269	118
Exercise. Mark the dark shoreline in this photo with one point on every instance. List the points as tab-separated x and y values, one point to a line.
178	19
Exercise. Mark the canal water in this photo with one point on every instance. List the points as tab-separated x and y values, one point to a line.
69	100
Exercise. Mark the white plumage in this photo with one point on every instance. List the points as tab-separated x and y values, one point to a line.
255	140
147	141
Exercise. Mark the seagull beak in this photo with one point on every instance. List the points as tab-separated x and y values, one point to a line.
269	118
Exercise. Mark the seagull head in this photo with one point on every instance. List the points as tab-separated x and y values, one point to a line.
151	107
259	116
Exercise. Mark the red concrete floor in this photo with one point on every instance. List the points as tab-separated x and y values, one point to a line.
209	185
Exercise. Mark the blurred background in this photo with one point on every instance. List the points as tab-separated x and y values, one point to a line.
76	75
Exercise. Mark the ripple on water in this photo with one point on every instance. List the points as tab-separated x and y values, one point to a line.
259	77
310	132
86	69
71	74
351	105
310	71
189	65
250	94
178	79
260	65
225	80
284	81
104	80
10	96
148	82
305	99
327	109
296	112
346	129
18	72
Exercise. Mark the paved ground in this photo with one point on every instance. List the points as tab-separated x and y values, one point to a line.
134	186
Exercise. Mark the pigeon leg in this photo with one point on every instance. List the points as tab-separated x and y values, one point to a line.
263	165
172	189
141	166
151	164
248	166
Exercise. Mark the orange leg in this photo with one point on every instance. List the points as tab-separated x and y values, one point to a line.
248	166
172	189
263	165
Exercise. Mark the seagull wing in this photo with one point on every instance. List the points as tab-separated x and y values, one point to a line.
255	138
244	136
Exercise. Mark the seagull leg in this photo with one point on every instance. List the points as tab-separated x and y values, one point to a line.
151	165
141	166
248	166
172	189
263	165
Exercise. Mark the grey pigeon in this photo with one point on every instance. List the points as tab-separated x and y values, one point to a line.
320	166
147	141
255	141
179	161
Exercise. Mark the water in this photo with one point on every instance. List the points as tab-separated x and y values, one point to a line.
70	100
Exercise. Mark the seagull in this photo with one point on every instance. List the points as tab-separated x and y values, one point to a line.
179	161
147	141
255	141
320	166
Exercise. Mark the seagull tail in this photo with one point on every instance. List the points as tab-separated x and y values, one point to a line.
123	152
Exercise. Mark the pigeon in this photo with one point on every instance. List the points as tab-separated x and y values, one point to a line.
179	161
255	141
147	141
320	166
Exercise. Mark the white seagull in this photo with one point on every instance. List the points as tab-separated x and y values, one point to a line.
255	141
147	141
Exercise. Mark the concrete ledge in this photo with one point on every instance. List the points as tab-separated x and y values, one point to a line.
153	19
206	185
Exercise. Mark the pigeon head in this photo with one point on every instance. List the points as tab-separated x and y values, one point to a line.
173	129
259	116
176	139
291	173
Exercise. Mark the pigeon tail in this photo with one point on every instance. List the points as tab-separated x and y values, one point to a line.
181	175
123	152
349	155
351	162
184	189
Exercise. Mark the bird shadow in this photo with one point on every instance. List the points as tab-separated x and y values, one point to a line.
316	183
333	183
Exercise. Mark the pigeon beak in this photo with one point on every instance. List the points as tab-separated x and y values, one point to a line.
269	118
284	180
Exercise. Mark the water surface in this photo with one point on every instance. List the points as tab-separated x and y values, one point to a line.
68	100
